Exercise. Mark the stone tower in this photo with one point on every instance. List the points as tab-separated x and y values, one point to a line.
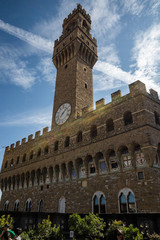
74	56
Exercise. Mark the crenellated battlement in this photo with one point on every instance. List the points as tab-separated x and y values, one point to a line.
30	139
116	97
79	9
73	21
135	88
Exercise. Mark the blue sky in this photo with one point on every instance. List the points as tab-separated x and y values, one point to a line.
128	35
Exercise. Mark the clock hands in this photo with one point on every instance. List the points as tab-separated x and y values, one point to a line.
63	113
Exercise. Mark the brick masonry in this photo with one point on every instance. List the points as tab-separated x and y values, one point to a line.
46	173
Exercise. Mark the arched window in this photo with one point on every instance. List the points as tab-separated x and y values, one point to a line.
101	163
113	161
84	24
57	173
79	136
16	206
64	172
24	158
40	207
131	202
18	180
6	206
95	204
33	177
99	203
123	203
46	150
22	179
127	117
156	116
17	161
31	155
140	160
81	169
56	146
91	166
27	178
126	158
102	204
28	205
67	141
39	152
2	185
5	166
73	173
62	205
13	181
93	131
51	176
157	158
109	125
5	183
11	164
126	201
72	170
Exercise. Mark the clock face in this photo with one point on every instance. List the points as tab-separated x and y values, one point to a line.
63	113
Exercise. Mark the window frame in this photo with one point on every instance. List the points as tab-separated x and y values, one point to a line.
126	192
99	195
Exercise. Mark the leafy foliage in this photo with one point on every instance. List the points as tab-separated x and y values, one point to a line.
91	226
154	237
44	231
130	232
112	229
6	220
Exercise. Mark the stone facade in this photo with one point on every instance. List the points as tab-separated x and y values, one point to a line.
105	160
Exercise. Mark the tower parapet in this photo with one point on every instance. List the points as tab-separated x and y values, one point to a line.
79	9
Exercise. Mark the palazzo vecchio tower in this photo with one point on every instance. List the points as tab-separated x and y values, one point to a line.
102	160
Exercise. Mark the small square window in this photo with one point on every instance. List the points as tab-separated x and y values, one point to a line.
140	175
41	188
47	186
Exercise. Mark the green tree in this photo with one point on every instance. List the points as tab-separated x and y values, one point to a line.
89	227
130	232
6	220
154	237
112	229
43	231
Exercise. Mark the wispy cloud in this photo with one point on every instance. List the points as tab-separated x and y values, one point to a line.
146	55
102	11
14	69
40	118
134	7
109	54
47	70
32	39
111	76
